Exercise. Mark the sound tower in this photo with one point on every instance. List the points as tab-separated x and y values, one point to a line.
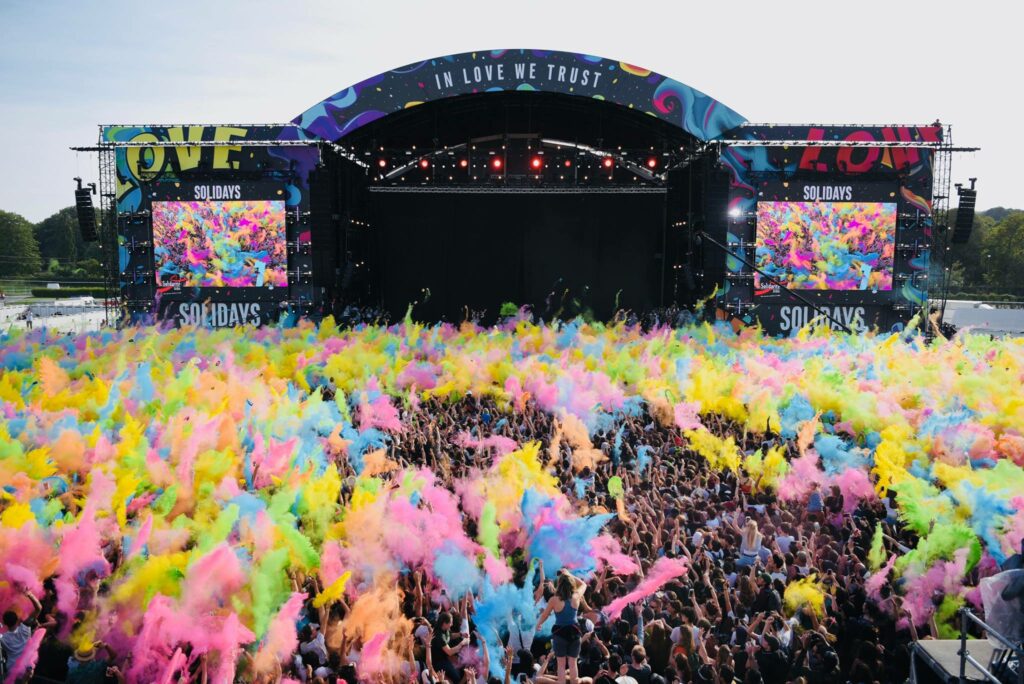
964	214
85	212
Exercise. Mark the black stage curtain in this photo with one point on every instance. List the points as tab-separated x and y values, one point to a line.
480	250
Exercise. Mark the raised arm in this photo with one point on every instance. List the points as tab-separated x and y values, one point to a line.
486	654
36	606
509	652
546	613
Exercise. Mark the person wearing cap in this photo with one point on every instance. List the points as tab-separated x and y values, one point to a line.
767	600
87	666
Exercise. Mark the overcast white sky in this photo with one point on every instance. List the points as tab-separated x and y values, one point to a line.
68	65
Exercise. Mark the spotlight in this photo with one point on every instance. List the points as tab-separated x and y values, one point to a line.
463	163
568	163
536	163
424	163
735	212
607	162
382	163
652	162
496	163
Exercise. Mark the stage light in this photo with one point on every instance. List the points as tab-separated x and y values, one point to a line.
536	163
496	163
652	163
424	163
463	163
382	163
735	212
568	163
607	162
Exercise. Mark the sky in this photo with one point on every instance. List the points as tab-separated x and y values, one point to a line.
67	66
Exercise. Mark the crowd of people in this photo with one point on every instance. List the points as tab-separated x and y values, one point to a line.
529	504
723	621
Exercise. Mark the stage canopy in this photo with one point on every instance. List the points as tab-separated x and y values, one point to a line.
548	71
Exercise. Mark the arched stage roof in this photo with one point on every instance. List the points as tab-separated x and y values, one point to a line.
550	71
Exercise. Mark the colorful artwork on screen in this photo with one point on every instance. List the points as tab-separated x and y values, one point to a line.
220	244
826	245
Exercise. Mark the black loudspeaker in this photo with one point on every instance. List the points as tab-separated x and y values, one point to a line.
86	215
964	215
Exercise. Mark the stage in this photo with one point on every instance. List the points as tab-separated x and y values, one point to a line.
568	183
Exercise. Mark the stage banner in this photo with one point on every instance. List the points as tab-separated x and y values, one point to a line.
161	153
565	73
218	314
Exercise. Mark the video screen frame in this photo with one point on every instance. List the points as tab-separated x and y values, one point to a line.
791	246
209	243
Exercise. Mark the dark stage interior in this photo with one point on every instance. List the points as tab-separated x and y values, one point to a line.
569	206
474	252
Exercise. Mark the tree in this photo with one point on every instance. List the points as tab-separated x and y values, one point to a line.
990	260
60	238
56	236
969	255
1003	254
19	256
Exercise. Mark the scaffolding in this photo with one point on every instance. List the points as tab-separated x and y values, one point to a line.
108	235
942	163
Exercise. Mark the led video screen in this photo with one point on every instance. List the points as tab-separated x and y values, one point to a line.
237	243
826	245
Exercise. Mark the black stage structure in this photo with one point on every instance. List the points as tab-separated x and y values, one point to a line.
568	183
537	199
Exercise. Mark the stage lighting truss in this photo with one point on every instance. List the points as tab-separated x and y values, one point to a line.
619	160
922	144
512	159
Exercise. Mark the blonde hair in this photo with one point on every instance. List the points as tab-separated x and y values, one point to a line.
750	533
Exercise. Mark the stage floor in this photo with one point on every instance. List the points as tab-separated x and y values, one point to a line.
941	655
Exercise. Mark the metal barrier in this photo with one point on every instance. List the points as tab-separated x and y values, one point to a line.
966	618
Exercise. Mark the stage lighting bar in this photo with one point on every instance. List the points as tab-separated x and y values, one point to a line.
604	155
523	189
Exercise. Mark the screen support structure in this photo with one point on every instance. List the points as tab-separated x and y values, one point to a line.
940	216
821	311
108	234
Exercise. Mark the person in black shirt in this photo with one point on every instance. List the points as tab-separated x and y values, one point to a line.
770	662
592	652
443	647
639	669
